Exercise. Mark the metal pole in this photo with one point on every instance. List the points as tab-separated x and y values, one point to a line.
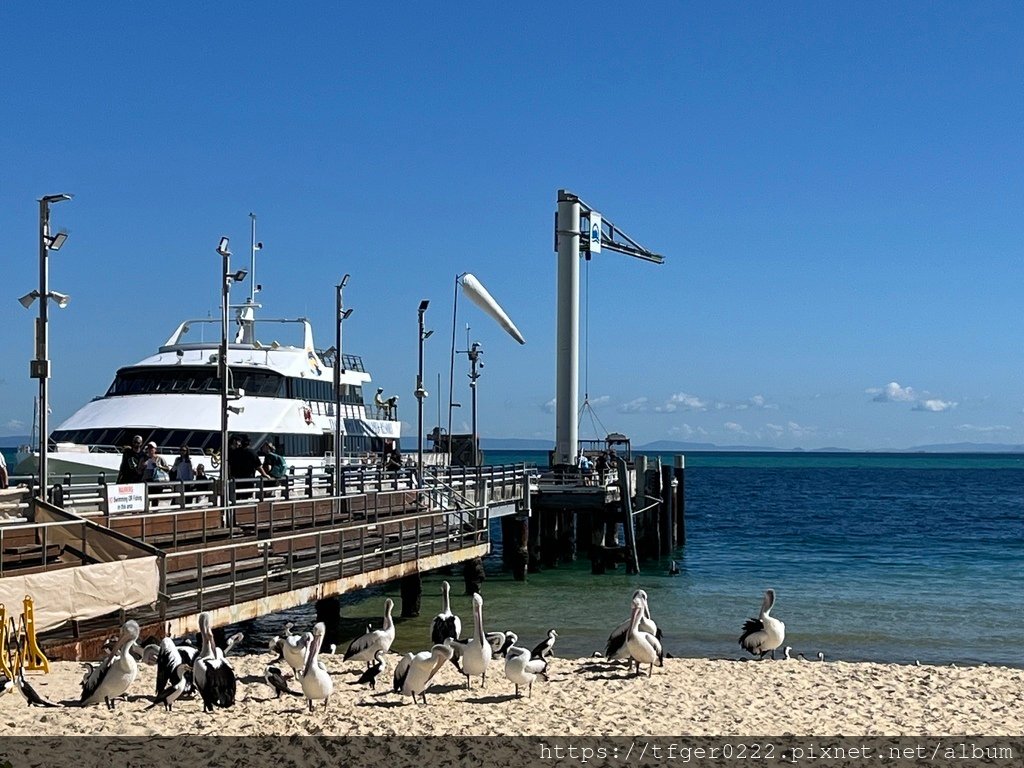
225	294
339	308
451	369
567	237
42	344
420	392
474	356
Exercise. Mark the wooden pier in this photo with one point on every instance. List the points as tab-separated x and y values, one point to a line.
278	546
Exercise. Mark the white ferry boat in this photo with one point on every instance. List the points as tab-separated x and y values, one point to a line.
283	392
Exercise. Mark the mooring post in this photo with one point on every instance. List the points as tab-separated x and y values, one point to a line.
328	610
667	511
679	477
473	575
549	540
597	551
412	592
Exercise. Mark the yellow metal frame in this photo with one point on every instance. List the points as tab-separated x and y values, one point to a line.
33	657
5	665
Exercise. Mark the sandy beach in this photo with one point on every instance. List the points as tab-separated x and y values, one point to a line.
582	697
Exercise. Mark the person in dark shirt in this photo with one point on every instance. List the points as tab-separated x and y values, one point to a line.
243	462
132	460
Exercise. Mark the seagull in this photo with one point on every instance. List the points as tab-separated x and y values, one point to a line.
315	681
764	634
644	647
365	647
415	671
521	669
111	678
546	647
446	624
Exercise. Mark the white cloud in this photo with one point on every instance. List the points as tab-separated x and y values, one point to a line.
637	405
798	430
892	393
984	430
549	406
732	426
14	424
683	401
935	405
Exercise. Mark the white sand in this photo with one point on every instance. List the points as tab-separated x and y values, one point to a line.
583	697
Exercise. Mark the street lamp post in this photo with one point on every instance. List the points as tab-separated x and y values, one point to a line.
420	392
341	314
228	277
40	366
475	351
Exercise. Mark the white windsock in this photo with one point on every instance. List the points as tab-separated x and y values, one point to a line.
479	296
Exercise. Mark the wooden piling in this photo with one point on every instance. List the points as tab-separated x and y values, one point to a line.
549	539
667	510
522	559
473	575
679	473
412	592
597	536
328	610
567	536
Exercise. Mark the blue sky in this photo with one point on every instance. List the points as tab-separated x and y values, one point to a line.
837	190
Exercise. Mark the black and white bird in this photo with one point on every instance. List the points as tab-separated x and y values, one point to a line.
415	671
179	680
292	648
111	678
615	648
764	634
169	657
316	683
365	647
212	674
277	680
476	651
31	695
545	649
446	624
643	647
521	669
6	684
372	672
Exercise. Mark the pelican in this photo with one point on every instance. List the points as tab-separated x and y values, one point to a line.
521	669
293	648
316	683
6	684
169	657
373	672
277	680
765	633
644	647
112	677
616	646
365	647
545	648
476	653
414	673
214	678
446	624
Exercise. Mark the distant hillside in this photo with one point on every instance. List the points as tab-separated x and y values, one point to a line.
514	444
968	448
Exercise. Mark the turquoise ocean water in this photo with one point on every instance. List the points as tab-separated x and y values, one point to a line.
883	557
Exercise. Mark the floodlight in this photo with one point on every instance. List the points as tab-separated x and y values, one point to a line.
346	314
222	249
239	276
424	304
62	299
57	241
344	281
427	335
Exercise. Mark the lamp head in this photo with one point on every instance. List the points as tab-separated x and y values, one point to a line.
239	276
49	199
346	314
424	304
427	335
344	280
222	249
28	298
57	241
62	299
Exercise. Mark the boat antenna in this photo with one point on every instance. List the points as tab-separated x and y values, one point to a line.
253	287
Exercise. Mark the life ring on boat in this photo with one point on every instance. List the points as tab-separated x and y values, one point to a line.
307	414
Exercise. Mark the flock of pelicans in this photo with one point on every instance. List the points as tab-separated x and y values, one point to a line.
183	670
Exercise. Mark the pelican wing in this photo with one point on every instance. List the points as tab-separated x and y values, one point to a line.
167	660
443	628
361	644
752	635
402	672
496	640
